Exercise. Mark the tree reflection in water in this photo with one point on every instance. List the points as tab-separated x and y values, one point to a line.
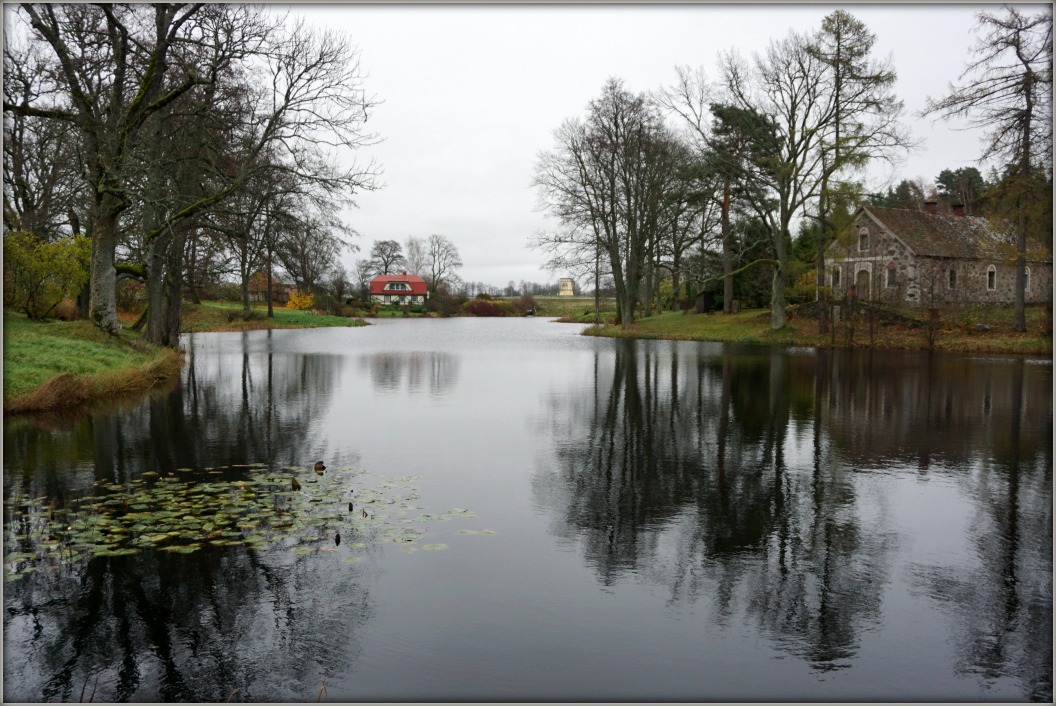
732	477
155	627
1004	601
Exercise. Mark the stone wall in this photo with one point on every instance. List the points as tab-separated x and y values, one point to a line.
923	281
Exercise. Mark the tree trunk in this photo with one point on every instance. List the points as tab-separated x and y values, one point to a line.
244	270
173	299
1019	315
676	283
156	304
102	305
727	255
819	278
778	317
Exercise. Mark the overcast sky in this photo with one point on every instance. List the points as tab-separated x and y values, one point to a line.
471	95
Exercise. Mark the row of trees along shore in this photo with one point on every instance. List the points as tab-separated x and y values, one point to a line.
704	180
187	142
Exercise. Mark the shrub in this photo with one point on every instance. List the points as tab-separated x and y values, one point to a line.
131	296
526	303
443	303
67	311
488	307
301	301
42	274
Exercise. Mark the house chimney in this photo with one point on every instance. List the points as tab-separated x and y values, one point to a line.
958	209
931	207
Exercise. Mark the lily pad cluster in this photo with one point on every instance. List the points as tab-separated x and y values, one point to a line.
255	506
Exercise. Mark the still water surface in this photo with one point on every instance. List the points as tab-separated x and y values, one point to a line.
669	521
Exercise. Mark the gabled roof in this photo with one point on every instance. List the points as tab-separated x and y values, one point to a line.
416	283
948	235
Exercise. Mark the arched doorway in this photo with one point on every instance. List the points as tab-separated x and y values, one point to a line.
861	283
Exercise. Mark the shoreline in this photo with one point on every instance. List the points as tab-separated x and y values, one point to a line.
752	328
141	367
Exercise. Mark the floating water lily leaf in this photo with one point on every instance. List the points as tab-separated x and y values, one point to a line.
196	508
433	547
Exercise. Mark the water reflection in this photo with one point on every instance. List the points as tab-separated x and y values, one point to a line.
253	407
862	515
705	473
1002	600
176	628
432	372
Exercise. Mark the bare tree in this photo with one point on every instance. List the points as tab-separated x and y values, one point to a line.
416	256
386	257
788	85
308	247
605	183
1009	93
131	79
110	65
443	262
42	175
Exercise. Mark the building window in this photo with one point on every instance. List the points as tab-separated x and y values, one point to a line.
892	277
991	278
836	277
863	239
952	279
1026	279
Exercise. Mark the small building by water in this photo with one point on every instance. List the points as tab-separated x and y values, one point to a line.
566	287
399	289
927	258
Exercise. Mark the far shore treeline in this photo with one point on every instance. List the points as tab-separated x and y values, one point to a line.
156	156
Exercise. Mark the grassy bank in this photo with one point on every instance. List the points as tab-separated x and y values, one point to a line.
64	364
227	316
958	334
576	309
60	364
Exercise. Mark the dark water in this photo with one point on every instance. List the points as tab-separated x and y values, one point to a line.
672	521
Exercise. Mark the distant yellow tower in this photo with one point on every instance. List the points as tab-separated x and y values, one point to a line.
565	287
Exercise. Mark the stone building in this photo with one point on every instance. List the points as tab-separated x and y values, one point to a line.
925	258
566	287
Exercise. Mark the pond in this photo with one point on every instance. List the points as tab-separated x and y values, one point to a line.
511	511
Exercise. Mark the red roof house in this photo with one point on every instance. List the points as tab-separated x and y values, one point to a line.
399	289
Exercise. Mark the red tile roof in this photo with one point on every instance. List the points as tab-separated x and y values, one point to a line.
416	283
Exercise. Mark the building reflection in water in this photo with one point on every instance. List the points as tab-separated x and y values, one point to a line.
432	372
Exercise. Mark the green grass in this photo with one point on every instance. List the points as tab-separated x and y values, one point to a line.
35	352
575	309
226	316
753	326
